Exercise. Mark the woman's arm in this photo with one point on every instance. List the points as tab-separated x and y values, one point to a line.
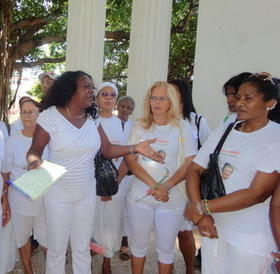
40	139
114	151
193	182
6	212
275	214
260	189
175	179
139	171
142	174
122	171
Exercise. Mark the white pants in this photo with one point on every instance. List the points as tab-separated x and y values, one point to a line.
74	220
25	226
166	223
220	257
122	194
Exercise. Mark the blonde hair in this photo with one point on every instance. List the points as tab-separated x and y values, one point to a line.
174	112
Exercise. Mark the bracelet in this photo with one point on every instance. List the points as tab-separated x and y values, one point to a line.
199	209
205	207
131	150
4	191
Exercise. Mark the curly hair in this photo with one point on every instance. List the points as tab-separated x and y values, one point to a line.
63	89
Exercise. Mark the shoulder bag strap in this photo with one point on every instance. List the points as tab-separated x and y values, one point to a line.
223	138
197	123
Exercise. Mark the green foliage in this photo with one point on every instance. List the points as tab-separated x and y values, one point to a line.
118	17
36	92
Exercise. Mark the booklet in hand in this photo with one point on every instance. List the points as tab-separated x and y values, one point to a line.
36	182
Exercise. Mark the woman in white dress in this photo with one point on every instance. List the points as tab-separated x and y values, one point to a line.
7	246
162	208
106	100
27	216
236	232
67	126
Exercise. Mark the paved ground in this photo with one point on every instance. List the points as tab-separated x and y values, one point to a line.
118	266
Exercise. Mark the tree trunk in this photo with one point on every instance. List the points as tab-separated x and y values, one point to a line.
5	58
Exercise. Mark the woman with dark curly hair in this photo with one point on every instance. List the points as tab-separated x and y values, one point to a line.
67	126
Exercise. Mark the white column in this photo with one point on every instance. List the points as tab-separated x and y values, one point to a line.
233	37
85	37
149	47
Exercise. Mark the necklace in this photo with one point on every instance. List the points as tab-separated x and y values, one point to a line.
69	114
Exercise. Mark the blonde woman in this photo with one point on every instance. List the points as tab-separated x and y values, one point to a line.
162	209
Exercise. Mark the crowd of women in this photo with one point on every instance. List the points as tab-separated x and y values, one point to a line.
160	160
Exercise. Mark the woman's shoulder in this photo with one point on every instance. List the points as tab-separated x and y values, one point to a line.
49	112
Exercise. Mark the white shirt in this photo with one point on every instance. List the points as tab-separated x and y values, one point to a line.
204	130
73	148
168	143
15	163
243	153
272	160
16	126
113	129
4	130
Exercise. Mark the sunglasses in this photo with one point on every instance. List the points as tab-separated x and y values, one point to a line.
108	94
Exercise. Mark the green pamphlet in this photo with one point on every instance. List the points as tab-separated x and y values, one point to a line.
36	182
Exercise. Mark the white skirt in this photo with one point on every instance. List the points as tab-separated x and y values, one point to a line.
220	257
8	250
24	226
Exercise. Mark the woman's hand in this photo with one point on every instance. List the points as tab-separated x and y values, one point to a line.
106	198
192	213
6	211
276	255
34	164
145	149
207	228
160	193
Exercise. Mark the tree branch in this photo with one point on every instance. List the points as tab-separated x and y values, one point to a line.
31	22
182	25
20	65
117	36
24	47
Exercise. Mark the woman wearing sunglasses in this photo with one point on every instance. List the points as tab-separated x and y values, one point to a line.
106	99
236	232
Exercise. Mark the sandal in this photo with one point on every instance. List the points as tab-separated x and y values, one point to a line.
124	253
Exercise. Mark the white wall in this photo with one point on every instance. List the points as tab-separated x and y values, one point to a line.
233	36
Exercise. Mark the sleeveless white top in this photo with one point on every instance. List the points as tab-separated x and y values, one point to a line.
73	148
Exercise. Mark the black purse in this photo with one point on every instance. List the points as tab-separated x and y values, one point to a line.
106	175
212	186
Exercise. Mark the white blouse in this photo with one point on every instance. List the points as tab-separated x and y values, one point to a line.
73	148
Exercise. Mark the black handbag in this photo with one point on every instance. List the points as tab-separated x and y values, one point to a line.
106	175
212	186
